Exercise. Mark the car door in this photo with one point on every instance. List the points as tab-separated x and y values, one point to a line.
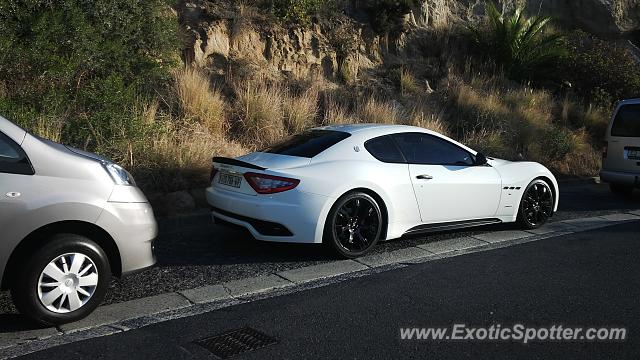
16	174
447	184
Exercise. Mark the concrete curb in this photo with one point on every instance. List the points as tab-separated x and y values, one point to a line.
321	271
133	314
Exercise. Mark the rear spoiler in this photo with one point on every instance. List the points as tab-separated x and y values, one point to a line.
234	162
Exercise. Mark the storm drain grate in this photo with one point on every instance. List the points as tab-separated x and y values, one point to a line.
236	342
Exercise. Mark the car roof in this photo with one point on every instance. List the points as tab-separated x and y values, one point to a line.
630	101
15	132
371	129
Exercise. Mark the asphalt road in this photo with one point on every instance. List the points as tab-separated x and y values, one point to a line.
579	280
192	252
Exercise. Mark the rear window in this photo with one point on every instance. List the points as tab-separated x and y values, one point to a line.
308	144
627	122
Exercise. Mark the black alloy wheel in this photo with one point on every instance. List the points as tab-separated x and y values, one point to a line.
536	206
354	224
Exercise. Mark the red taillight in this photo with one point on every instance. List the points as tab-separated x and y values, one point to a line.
214	171
269	184
605	149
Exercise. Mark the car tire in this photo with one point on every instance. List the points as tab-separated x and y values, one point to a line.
536	205
354	225
621	190
63	281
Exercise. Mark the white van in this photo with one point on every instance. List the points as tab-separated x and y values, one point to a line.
621	154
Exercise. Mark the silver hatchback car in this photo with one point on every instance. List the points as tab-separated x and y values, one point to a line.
69	220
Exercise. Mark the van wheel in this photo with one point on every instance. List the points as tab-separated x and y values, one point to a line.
64	281
621	190
354	225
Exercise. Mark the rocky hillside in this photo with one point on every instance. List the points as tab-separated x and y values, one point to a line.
176	86
610	18
220	34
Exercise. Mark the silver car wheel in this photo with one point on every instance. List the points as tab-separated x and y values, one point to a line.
67	283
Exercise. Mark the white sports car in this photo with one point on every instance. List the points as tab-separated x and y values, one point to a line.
350	186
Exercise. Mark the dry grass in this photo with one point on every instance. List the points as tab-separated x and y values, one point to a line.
180	157
335	113
300	111
198	100
381	112
431	122
584	160
48	128
485	106
511	121
150	111
593	119
260	113
408	83
490	142
3	89
489	114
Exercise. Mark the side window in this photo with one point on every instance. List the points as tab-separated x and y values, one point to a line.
12	159
425	149
384	149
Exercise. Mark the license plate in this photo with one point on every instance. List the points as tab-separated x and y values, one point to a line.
634	155
230	180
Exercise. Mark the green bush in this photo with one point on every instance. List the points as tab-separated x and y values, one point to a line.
517	43
601	71
301	11
557	143
86	63
385	16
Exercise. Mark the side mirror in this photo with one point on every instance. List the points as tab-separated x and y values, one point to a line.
481	159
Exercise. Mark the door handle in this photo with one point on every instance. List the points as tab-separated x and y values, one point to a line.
424	177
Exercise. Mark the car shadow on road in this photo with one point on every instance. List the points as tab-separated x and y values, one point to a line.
197	242
219	245
595	197
12	323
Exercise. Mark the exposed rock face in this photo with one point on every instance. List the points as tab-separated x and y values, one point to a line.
221	37
604	17
297	52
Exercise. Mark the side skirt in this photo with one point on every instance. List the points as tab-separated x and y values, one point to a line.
437	227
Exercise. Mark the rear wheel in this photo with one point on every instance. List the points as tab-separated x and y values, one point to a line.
536	206
621	190
354	225
64	281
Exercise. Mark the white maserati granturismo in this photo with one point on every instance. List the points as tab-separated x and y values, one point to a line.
350	186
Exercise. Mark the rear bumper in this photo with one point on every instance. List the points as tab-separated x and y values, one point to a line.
621	177
291	216
133	227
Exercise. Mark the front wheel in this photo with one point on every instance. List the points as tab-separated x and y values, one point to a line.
354	225
63	281
536	206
